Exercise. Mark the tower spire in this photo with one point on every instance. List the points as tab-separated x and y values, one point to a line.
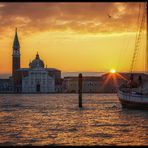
16	62
16	44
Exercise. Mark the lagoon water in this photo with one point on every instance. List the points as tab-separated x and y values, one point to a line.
55	119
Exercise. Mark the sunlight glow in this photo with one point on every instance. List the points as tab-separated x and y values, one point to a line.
112	71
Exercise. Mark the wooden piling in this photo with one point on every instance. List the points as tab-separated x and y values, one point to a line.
80	90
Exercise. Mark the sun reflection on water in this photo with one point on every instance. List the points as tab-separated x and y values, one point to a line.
42	120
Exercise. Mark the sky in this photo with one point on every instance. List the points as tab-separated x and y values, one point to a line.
73	36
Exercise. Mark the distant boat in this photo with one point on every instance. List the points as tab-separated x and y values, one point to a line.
135	97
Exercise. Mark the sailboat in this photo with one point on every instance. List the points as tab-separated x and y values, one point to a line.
130	96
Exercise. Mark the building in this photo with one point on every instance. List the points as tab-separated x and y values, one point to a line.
34	79
107	83
89	84
16	77
38	79
6	86
113	81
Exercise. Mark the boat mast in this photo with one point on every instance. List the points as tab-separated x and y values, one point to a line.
138	39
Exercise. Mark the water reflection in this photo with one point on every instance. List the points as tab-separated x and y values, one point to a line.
56	120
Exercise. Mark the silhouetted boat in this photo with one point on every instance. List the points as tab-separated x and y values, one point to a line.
135	97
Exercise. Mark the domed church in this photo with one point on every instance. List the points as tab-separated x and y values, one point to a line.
36	78
37	62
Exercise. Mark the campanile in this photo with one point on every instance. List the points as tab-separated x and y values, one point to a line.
15	59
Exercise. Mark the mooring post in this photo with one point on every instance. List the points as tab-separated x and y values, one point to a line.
80	90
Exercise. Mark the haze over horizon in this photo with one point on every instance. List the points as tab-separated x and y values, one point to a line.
72	37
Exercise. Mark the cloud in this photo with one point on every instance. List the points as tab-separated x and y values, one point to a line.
79	17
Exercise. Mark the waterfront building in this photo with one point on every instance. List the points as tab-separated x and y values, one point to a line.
38	79
112	81
107	83
58	85
89	84
6	86
35	79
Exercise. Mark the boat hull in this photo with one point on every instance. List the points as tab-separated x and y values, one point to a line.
131	101
133	105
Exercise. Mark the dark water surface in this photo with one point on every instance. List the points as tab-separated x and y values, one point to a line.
55	119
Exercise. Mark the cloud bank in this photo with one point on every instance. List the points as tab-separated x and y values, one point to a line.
86	17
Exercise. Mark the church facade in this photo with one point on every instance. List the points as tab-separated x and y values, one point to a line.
34	79
38	79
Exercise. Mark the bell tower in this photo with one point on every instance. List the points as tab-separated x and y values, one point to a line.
15	59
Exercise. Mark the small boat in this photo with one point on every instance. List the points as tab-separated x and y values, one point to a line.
135	97
133	100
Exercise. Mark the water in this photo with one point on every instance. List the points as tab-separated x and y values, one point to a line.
55	119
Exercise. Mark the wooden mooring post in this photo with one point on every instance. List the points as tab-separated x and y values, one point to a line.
80	90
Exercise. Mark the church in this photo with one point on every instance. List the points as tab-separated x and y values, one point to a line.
35	79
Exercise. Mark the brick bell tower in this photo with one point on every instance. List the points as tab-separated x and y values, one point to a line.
16	62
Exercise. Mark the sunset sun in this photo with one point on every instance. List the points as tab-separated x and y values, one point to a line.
112	71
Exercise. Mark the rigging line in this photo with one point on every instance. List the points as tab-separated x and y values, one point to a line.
131	67
128	40
138	18
142	25
137	41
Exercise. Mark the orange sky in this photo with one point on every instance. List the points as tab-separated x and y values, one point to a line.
72	36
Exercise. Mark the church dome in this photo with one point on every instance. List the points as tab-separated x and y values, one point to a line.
37	63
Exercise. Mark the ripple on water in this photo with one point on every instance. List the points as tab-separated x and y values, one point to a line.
101	135
56	119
